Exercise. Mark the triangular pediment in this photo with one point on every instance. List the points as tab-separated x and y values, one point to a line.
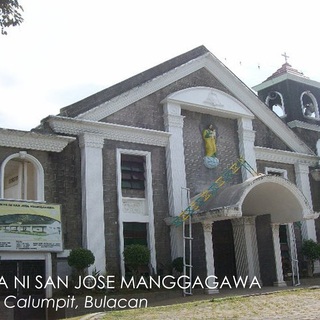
210	101
242	99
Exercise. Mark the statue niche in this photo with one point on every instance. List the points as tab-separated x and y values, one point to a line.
209	137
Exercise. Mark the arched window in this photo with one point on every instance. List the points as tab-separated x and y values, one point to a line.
22	178
309	105
275	101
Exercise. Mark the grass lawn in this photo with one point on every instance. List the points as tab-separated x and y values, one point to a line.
287	304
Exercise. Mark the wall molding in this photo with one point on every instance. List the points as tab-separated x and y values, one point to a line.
33	140
304	125
109	131
283	156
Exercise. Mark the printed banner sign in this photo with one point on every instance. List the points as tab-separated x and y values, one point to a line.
30	226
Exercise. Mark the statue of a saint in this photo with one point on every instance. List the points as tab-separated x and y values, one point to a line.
209	137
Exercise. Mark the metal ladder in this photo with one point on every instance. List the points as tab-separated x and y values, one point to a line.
187	247
185	216
187	255
293	254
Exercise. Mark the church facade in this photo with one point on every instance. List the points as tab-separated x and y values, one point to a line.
120	166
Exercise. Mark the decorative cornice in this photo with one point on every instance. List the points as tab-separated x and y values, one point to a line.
173	120
91	140
108	131
33	140
245	220
304	125
207	226
301	169
283	77
287	157
247	134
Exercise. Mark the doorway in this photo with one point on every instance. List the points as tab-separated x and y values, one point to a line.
224	256
20	277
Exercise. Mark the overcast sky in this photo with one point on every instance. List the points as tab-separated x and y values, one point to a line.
66	50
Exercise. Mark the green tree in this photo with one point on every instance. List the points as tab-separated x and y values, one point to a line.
311	250
10	14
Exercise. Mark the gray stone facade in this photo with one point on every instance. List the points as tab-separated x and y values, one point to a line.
160	199
160	115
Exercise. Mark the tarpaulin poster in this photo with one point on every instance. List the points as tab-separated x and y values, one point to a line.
30	226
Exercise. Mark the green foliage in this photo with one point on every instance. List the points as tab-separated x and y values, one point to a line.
177	264
10	14
311	250
136	256
80	259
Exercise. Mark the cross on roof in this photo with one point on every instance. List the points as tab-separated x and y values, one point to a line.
285	57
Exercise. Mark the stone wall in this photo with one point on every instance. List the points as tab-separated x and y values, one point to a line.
148	112
160	203
265	137
261	165
198	176
62	185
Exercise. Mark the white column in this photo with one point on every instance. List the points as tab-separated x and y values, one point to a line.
246	248
277	255
48	267
93	230
303	183
176	172
246	145
308	228
208	244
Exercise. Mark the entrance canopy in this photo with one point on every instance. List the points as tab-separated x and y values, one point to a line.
263	194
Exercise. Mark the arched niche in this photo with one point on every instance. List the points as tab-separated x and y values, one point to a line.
275	101
22	177
309	105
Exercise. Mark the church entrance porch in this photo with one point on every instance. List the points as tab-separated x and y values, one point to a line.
255	210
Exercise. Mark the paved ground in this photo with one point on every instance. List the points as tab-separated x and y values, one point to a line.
306	308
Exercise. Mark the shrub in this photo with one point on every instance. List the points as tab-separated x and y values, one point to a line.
80	259
136	256
177	264
311	250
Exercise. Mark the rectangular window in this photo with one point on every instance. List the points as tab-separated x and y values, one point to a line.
132	172
276	172
273	173
135	233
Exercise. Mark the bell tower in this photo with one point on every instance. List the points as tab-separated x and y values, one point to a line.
291	95
296	100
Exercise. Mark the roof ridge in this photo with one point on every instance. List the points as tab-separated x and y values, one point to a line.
104	95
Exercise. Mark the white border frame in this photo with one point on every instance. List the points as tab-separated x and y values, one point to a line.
283	172
149	219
